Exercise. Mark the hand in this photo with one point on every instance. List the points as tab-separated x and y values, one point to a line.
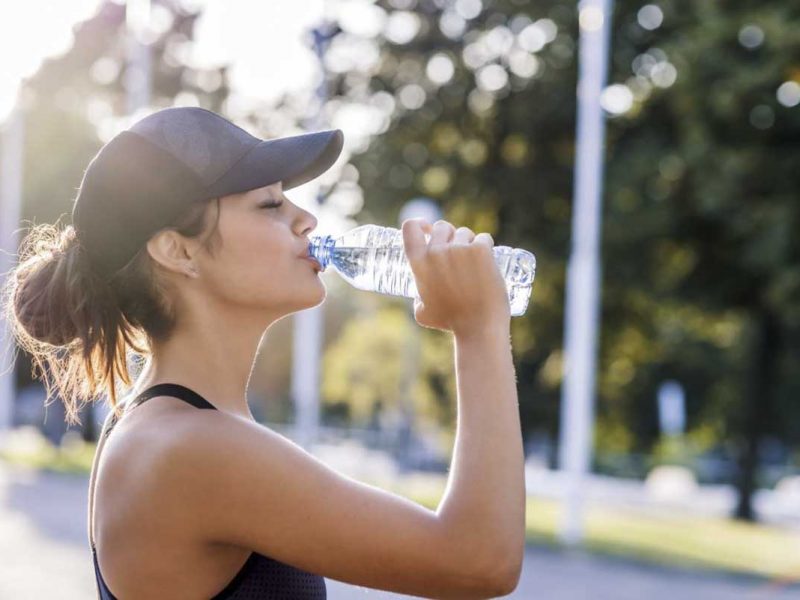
459	285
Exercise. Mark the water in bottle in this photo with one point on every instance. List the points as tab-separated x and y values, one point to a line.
372	258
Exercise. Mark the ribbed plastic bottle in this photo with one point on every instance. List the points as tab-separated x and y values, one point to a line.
372	258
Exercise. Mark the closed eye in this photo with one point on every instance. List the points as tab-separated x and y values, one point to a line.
271	205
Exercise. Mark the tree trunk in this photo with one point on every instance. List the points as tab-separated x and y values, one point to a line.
757	409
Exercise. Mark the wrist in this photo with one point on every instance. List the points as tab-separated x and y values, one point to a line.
483	332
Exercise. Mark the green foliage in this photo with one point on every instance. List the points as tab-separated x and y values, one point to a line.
700	264
371	367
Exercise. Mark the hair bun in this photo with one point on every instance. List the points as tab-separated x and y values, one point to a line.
45	285
51	287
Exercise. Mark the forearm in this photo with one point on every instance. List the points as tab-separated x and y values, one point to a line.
484	501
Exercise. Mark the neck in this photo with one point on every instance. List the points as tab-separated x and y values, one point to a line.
215	360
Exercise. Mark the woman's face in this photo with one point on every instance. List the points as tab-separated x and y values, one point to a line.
256	261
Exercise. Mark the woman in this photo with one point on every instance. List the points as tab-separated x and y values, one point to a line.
184	250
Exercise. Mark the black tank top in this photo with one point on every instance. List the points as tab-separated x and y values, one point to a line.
261	577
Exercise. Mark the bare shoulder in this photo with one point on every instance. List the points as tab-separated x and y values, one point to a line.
237	482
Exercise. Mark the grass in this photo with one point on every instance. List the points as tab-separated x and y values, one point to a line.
677	540
28	448
706	543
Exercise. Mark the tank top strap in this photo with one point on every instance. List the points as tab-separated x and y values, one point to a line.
174	390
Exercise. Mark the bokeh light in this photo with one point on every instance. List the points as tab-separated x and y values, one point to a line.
468	9
491	78
751	36
650	17
616	99
412	96
522	63
762	117
452	25
361	18
664	74
440	68
402	27
789	94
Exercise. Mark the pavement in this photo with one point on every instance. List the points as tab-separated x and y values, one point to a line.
44	553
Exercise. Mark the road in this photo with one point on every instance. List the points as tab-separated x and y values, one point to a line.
44	553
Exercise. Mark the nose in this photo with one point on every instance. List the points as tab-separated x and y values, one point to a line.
308	222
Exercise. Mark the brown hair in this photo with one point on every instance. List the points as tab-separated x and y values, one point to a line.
79	328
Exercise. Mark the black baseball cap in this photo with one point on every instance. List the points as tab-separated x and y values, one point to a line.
149	174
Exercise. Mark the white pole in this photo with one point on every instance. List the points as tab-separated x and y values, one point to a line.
11	164
583	277
305	375
308	324
138	74
428	209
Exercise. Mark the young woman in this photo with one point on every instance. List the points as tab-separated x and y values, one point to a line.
183	250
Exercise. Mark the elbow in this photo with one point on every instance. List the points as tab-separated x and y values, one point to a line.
506	580
503	570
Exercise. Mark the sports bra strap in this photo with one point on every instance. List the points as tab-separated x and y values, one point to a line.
174	390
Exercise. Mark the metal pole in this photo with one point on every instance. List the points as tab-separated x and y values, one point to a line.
583	277
428	209
139	72
308	324
11	165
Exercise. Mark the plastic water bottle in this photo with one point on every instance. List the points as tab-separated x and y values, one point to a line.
372	258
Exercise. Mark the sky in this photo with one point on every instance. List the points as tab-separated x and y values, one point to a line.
26	39
262	41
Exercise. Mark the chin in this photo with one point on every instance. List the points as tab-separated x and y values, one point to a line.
317	298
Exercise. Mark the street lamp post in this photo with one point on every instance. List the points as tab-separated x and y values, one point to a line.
139	56
11	165
308	324
427	209
583	279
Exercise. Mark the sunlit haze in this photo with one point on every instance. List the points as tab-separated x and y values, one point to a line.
263	42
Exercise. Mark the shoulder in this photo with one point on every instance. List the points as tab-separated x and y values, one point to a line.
186	434
199	450
165	441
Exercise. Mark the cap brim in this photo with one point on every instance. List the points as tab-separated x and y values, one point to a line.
293	160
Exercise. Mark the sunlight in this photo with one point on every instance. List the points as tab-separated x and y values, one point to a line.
26	39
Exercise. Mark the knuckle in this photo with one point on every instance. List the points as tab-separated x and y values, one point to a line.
438	253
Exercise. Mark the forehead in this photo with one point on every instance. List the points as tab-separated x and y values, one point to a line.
276	187
257	193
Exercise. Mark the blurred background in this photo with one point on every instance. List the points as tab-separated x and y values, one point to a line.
676	471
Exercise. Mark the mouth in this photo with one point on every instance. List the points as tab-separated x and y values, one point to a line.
313	262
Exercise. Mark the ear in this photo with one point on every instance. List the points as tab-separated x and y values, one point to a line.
173	252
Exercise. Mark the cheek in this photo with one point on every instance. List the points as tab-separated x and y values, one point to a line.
258	264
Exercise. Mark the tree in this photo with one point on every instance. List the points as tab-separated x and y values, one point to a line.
713	154
699	260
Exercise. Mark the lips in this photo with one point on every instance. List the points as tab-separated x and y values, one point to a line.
306	254
313	261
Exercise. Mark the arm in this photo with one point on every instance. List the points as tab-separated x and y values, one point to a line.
485	495
220	479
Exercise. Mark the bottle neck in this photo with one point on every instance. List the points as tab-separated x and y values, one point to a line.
321	248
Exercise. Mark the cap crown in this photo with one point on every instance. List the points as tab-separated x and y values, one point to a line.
205	142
